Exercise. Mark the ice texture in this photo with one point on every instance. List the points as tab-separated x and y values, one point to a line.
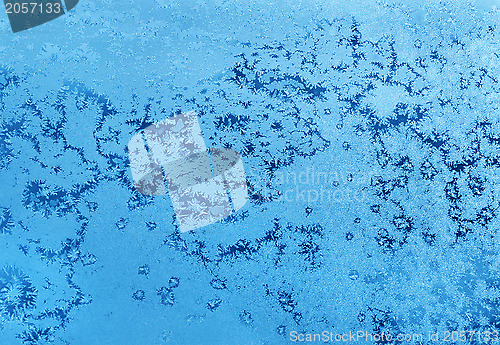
370	136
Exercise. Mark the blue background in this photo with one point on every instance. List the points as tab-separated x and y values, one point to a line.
396	103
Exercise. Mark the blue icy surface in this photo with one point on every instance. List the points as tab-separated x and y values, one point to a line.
370	135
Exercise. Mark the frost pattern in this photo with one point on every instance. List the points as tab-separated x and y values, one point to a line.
411	122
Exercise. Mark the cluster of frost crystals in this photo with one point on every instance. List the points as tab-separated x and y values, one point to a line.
420	115
43	213
405	115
